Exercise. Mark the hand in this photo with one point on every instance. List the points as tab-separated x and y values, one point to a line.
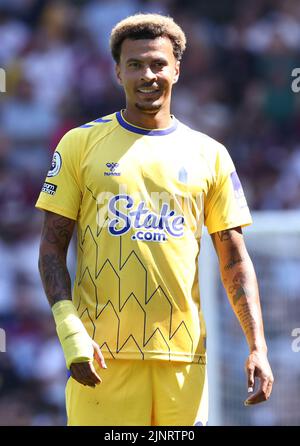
85	373
257	366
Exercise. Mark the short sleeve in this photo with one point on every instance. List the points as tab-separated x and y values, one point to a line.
61	191
225	206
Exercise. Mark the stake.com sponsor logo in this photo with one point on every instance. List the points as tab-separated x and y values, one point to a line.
155	219
139	217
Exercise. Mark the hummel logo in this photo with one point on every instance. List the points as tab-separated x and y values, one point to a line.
112	167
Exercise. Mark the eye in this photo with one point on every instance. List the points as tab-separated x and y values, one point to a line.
159	64
134	64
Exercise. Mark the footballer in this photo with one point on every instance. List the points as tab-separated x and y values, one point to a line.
139	185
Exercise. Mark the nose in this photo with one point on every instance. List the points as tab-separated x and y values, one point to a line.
147	74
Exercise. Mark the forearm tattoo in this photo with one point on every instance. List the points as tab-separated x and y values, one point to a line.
246	318
56	236
55	277
239	279
238	288
234	260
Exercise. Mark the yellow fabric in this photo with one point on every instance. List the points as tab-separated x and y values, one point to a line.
75	341
140	201
141	393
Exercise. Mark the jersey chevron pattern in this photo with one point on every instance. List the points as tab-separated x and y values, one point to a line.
140	198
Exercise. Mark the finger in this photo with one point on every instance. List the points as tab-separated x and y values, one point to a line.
258	397
89	376
82	373
269	389
84	380
98	356
261	395
78	379
250	378
76	372
96	378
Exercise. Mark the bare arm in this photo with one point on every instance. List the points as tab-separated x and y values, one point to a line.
56	235
239	280
55	240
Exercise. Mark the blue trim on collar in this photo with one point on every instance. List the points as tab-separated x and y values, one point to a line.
148	132
85	126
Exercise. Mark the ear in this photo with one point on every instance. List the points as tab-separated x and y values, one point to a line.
118	73
176	72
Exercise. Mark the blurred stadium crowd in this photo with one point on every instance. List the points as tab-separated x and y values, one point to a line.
235	85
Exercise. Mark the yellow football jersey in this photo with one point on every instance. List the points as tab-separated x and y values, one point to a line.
140	198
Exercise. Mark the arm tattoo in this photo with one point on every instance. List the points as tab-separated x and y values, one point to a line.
224	236
233	261
56	236
58	230
227	234
236	290
239	287
246	319
55	277
240	282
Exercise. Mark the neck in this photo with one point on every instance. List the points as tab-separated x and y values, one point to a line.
159	120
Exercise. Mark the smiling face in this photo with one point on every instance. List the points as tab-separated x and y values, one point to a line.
147	71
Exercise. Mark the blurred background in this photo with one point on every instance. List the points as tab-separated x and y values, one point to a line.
235	85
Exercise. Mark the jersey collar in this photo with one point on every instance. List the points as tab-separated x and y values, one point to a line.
142	131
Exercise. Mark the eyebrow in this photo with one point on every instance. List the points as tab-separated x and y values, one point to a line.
158	59
132	60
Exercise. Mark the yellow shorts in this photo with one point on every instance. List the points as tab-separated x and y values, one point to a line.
141	393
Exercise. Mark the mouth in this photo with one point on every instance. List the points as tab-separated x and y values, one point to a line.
150	91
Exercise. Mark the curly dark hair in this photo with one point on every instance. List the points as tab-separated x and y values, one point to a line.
147	26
